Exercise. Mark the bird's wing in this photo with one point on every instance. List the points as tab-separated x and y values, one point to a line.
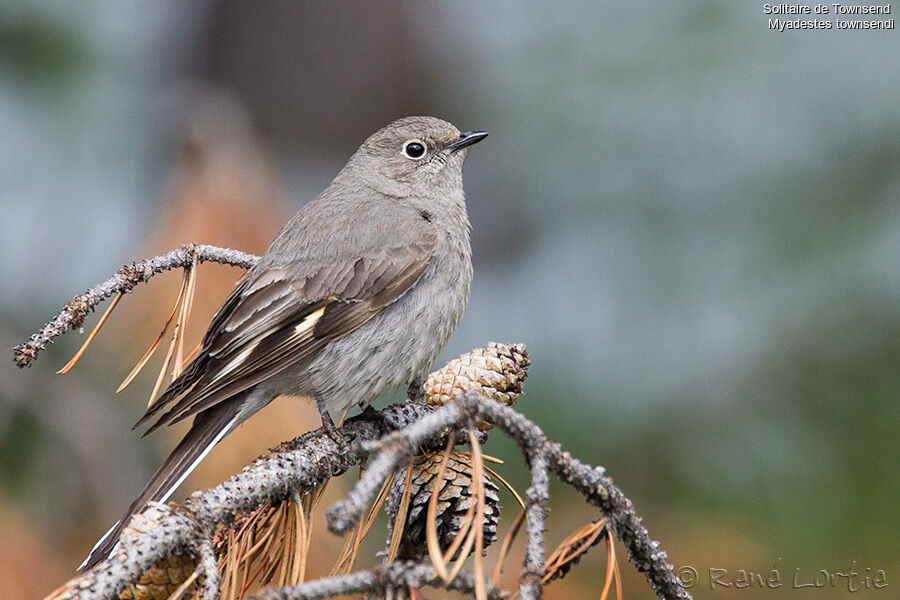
279	315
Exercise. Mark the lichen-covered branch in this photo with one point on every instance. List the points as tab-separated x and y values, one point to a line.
73	313
301	464
536	499
394	435
208	569
395	450
389	576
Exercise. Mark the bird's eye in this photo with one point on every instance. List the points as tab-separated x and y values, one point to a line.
414	149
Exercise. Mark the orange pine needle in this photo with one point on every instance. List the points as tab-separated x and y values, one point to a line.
343	556
470	518
263	545
466	549
163	370
343	417
610	573
303	538
183	319
347	548
363	530
485	457
352	544
507	485
478	476
612	550
507	544
140	365
188	305
190	355
299	538
415	593
574	546
434	548
91	336
461	535
177	594
177	334
354	550
400	519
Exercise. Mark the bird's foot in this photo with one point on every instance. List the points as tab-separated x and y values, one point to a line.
329	428
343	442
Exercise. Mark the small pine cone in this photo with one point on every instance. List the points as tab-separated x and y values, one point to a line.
162	579
495	371
454	499
157	583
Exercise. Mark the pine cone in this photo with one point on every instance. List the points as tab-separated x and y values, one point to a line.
454	500
162	579
157	583
495	371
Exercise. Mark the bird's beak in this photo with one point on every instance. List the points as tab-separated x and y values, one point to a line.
466	138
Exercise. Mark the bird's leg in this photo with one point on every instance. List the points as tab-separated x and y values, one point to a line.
328	425
415	392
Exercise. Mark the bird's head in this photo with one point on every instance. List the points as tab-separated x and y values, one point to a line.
414	155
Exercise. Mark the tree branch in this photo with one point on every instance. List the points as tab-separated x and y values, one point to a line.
393	452
73	313
395	435
389	576
536	499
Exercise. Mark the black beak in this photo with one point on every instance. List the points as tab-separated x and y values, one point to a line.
466	138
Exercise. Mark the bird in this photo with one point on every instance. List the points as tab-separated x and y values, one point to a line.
358	293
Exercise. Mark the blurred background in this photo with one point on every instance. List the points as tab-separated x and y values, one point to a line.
690	219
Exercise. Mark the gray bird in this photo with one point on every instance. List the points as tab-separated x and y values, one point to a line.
358	293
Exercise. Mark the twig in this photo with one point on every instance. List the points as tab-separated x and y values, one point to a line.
387	577
208	568
73	313
536	498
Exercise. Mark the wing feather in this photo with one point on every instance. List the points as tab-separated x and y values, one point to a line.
279	315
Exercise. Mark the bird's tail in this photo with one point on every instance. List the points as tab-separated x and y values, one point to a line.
208	429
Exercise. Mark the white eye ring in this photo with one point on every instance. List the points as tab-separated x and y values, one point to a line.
415	149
